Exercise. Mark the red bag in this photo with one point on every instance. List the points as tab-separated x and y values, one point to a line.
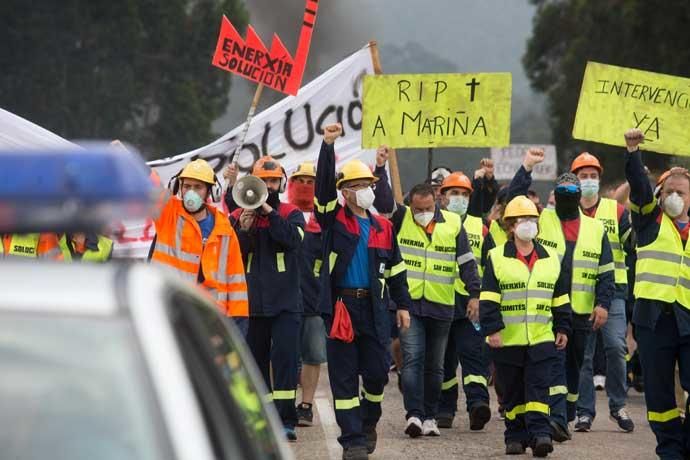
342	325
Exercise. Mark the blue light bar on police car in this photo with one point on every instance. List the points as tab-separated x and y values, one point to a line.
70	190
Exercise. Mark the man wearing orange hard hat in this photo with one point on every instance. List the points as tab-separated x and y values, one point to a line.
271	240
616	221
465	342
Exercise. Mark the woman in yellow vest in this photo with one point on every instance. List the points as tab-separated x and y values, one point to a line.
525	313
86	247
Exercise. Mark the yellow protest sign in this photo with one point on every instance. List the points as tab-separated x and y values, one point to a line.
615	99
437	110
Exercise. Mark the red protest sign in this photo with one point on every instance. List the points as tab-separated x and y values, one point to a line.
250	59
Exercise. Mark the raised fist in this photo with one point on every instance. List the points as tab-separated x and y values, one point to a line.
332	132
533	157
633	138
382	154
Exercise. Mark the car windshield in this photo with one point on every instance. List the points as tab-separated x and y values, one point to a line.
75	388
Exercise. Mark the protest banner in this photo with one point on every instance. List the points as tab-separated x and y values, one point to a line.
290	130
251	59
615	99
508	160
437	110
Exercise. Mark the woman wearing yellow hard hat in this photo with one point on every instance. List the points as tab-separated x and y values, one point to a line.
525	313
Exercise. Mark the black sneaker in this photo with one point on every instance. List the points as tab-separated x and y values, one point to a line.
559	433
305	415
355	453
445	420
370	433
501	413
479	416
515	448
623	420
542	447
400	387
583	424
290	434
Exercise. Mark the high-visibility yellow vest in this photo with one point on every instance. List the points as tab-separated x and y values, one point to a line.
105	246
662	271
474	229
607	213
586	256
526	298
497	233
24	245
432	265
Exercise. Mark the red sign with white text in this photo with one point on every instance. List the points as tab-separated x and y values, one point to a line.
251	59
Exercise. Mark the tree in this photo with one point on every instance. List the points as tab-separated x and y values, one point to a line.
630	33
138	70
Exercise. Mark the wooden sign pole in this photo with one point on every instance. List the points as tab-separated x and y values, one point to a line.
248	121
392	158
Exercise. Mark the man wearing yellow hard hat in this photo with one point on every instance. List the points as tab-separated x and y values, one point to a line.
361	258
524	310
300	192
196	240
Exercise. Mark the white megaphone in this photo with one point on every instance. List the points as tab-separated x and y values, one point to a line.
250	192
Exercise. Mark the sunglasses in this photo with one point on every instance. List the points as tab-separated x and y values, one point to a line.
567	188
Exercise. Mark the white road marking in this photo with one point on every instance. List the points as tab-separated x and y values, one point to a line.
330	427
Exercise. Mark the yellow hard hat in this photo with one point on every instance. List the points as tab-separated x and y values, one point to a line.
520	206
306	169
354	170
199	170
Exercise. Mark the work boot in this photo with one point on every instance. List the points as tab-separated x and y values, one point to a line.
542	447
515	448
372	437
638	383
414	427
305	415
444	420
355	453
479	416
559	433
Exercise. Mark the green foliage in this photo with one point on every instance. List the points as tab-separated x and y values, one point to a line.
631	33
138	70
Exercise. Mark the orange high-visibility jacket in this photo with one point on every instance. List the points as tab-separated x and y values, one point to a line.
32	245
179	245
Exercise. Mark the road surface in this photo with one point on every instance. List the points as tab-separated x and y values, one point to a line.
605	441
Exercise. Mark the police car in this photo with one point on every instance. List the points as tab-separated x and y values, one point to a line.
114	361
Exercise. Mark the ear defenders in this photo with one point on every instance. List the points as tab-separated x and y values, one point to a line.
215	190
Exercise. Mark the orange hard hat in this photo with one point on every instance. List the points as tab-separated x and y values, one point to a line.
457	179
266	168
660	181
584	160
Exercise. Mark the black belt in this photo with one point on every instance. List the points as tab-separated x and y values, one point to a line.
356	293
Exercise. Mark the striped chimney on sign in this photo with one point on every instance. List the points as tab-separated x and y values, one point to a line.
250	58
